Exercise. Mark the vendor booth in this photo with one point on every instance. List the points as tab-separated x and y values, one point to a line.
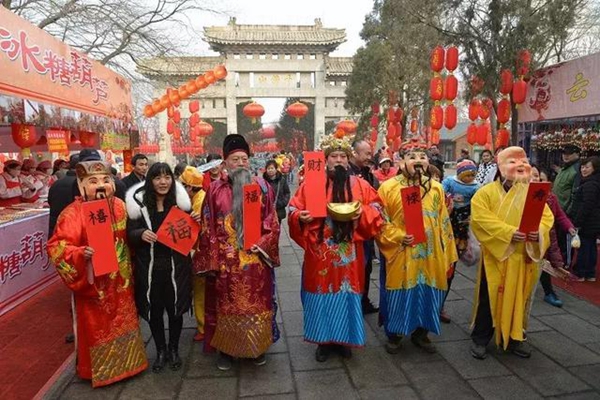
53	100
562	107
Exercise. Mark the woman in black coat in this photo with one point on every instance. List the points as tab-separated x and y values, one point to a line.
163	277
587	219
280	187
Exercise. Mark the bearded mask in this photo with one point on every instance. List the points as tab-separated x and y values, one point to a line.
95	180
416	162
513	165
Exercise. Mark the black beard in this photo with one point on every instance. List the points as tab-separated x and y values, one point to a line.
239	178
341	192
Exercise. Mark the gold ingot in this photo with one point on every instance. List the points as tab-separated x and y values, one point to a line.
343	212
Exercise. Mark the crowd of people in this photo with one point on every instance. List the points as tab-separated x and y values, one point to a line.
231	291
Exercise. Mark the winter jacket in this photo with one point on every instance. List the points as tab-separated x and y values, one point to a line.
131	180
282	193
587	206
565	183
143	253
553	254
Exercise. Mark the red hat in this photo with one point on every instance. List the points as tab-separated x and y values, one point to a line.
28	164
44	165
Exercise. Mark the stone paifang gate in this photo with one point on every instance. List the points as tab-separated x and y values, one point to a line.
262	61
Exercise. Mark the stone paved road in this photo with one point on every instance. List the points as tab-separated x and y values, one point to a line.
565	364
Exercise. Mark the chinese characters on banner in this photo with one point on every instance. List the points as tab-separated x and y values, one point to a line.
315	178
98	226
252	217
57	140
537	194
413	213
178	231
36	65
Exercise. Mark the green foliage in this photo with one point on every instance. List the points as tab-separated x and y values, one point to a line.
214	143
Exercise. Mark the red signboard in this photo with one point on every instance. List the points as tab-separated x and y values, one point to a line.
98	226
57	140
537	194
178	231
413	213
251	211
315	179
35	65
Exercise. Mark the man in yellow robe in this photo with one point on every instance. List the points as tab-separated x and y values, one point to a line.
509	267
413	283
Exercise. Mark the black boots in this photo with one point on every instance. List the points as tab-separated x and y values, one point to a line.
174	359
161	359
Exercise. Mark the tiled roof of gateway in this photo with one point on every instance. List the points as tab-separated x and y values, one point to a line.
234	34
339	66
178	65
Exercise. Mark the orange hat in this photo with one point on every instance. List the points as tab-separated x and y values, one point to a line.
192	177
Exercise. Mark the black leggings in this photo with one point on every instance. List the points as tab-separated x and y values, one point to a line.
162	297
546	282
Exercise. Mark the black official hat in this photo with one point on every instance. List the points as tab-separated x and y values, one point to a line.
233	143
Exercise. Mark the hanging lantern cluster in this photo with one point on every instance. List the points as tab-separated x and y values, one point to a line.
443	88
173	97
394	117
414	121
297	110
503	111
479	114
519	89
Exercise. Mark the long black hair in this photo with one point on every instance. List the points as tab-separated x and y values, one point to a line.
149	198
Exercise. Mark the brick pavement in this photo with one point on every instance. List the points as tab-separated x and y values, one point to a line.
565	363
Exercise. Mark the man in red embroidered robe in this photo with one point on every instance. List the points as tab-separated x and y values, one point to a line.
240	285
333	272
109	342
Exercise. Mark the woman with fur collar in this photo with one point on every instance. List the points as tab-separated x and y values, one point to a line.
163	277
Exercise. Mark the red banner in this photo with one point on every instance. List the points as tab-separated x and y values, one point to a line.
315	179
413	213
251	211
98	226
57	140
35	65
178	231
537	194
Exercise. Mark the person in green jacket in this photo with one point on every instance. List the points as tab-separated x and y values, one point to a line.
568	178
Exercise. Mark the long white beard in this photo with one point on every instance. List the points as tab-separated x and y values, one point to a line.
239	178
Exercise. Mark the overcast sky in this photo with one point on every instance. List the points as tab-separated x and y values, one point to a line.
346	14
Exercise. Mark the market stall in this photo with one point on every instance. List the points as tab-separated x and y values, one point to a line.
53	100
562	108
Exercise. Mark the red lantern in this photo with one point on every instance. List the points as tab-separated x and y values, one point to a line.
375	108
170	127
87	139
201	82
24	136
391	116
164	101
436	61
183	92
220	72
436	88
414	125
474	107
194	106
482	134
210	77
391	132
399	114
398	130
472	134
148	111
373	135
176	133
268	132
375	121
176	116
297	110
450	117
450	87
519	92
451	58
347	125
436	117
253	110
435	137
484	110
191	87
194	119
506	81
170	112
157	107
523	61
205	129
502	138
173	96
503	113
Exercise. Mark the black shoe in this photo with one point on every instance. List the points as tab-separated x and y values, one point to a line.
345	352
260	360
174	359
224	362
478	351
70	338
394	344
322	353
422	341
369	308
161	360
520	349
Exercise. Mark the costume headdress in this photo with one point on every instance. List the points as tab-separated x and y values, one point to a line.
331	143
413	144
89	168
192	177
233	143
